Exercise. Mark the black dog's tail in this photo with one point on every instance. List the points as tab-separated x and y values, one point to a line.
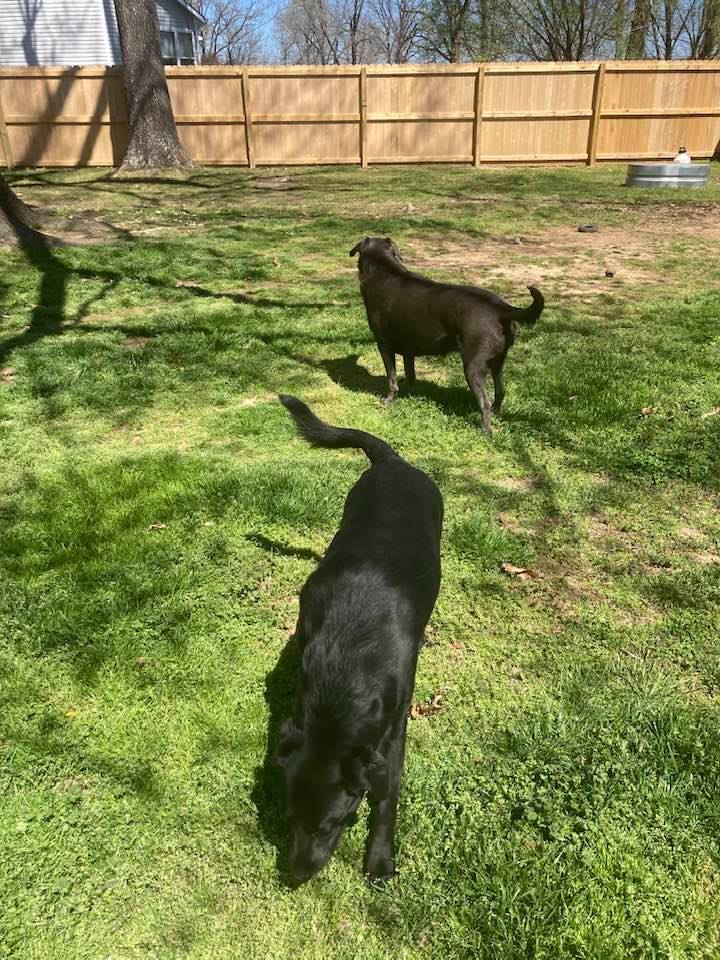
531	314
321	434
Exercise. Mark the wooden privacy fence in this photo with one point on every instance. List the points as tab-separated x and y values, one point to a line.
459	113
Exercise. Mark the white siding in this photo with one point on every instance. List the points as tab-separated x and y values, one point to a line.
62	32
71	32
174	16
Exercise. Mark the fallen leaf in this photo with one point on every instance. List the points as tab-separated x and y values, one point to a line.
522	573
711	413
7	374
157	526
427	709
646	411
71	713
573	397
187	283
276	261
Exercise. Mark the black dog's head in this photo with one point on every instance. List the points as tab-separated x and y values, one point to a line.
323	792
379	248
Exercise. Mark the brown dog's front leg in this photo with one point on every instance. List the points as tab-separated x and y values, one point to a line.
389	361
409	365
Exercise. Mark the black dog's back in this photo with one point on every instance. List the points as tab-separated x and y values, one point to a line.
391	524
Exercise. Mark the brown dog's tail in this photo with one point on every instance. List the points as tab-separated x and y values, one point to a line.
320	434
530	315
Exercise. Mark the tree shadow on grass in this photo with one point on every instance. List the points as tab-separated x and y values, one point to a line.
268	793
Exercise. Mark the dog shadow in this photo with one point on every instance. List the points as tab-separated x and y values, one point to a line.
348	373
268	793
273	546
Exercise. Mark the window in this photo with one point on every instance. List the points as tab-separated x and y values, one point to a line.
176	47
187	55
167	47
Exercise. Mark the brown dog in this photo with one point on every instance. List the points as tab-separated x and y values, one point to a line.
415	316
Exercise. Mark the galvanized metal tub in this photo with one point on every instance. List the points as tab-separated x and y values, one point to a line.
675	176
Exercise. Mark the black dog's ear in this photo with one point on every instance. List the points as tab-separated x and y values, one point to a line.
366	770
356	249
290	740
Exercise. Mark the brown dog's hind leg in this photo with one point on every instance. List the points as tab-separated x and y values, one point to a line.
389	361
499	381
409	365
475	376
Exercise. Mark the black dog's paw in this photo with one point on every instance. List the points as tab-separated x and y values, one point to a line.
379	868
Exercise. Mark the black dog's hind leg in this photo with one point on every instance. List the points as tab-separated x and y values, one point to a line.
389	361
379	862
409	365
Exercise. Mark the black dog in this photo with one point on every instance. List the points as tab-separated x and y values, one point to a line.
415	316
363	613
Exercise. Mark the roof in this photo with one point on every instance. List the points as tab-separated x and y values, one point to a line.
191	10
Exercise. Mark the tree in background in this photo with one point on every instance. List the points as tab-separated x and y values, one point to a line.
562	29
639	25
232	32
327	32
153	140
444	30
397	27
704	30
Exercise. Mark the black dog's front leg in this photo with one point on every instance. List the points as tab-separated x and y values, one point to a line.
380	850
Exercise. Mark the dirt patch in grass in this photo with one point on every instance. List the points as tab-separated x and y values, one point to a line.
136	343
578	263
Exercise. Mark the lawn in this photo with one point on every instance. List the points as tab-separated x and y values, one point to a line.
158	517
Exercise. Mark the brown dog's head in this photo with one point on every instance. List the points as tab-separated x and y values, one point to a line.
380	248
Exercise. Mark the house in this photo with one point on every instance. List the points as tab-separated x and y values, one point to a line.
83	32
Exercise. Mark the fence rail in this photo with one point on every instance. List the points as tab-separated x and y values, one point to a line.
375	114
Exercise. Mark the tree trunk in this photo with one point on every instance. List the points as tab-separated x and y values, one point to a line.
16	219
710	18
638	30
153	141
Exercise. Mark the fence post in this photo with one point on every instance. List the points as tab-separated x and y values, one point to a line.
247	111
477	123
596	114
5	139
363	117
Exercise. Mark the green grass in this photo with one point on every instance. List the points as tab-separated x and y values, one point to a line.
158	518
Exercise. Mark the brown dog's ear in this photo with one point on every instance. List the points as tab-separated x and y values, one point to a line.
366	770
290	740
389	242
